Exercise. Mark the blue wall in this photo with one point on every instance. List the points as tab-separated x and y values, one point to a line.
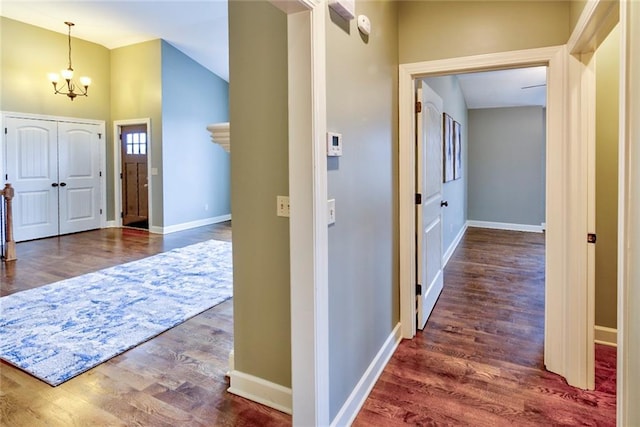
196	172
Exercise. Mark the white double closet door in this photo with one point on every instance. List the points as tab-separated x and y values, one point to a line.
55	168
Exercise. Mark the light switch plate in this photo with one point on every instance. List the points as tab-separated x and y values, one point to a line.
331	211
283	206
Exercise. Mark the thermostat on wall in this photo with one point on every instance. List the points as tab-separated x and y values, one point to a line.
344	8
334	144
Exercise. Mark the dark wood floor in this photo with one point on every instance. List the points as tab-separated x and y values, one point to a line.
479	360
175	379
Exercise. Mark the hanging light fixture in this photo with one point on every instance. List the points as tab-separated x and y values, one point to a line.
69	87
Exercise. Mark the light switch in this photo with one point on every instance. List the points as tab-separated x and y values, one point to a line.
331	211
283	206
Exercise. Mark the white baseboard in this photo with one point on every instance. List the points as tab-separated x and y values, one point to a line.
356	399
449	252
606	336
111	224
505	226
262	391
189	225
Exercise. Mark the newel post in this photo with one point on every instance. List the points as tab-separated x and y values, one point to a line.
11	244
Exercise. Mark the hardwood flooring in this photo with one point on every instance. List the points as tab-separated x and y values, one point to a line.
175	379
479	360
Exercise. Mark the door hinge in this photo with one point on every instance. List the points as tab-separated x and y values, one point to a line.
418	107
100	173
99	136
418	289
121	214
120	175
5	131
100	211
591	238
6	177
418	198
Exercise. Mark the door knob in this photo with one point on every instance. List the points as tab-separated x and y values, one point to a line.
444	203
55	184
63	184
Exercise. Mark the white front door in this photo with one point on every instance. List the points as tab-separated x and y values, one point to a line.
79	175
428	211
32	169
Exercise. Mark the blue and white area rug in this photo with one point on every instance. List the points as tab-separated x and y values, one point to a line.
60	330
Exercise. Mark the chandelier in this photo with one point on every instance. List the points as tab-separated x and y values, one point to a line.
69	87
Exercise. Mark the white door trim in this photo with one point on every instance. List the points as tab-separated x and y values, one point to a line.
308	241
560	208
117	167
628	213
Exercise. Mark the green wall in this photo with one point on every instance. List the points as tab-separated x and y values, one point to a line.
362	104
607	115
447	29
25	87
137	94
258	100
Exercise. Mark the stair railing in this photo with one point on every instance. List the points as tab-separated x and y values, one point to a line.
6	224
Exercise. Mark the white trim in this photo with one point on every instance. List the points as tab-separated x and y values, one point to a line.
543	226
606	336
194	224
262	391
628	388
117	169
454	245
505	226
232	363
50	118
358	396
308	233
111	224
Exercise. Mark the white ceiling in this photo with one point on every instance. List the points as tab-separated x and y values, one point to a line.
505	88
200	30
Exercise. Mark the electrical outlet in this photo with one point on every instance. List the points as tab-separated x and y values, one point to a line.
283	206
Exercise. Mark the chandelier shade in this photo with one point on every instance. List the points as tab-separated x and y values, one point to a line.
68	86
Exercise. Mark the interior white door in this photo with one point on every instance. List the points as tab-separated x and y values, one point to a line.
79	175
429	211
32	169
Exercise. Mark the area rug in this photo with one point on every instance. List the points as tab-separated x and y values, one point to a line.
58	331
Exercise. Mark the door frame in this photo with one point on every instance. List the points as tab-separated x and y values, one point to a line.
565	306
117	168
103	149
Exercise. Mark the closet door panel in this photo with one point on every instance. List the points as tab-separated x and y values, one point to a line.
79	154
32	169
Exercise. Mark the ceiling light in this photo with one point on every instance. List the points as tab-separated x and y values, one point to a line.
69	87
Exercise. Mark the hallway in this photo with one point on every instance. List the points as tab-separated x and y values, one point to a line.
479	360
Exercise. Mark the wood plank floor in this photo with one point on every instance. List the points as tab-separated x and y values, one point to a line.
479	360
175	379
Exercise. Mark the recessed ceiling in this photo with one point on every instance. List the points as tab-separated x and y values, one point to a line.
197	28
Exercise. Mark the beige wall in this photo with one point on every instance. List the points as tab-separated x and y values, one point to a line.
137	93
259	172
446	29
607	114
30	53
